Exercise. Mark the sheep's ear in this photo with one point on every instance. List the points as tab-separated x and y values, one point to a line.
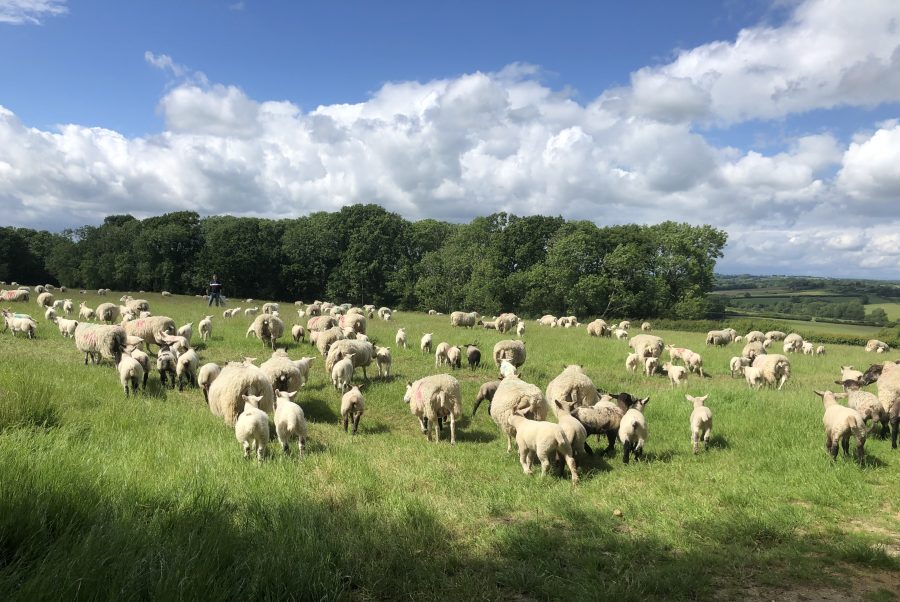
690	398
820	393
292	395
839	382
409	383
645	400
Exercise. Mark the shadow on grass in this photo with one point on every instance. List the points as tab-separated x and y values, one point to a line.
718	442
319	410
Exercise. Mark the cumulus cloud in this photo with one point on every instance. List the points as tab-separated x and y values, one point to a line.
19	12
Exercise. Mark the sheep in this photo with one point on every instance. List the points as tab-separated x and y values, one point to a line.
320	323
66	327
473	356
544	440
107	312
267	328
633	431
548	320
597	328
186	331
130	373
177	344
872	345
40	289
632	361
363	354
775	335
269	308
850	373
507	321
792	343
142	358
19	323
737	364
840	422
149	328
165	294
511	350
575	432
486	392
400	338
701	423
507	369
251	311
694	363
342	373
440	354
251	427
15	295
353	405
625	324
432	399
50	315
383	361
298	333
290	423
385	314
739	338
520	329
677	353
68	306
205	327
807	348
603	418
186	368
755	336
719	338
454	357
314	310
235	380
752	350
325	339
303	364
646	345
45	300
775	368
650	366
489	324
515	396
166	365
767	343
85	312
620	334
205	378
354	321
889	397
753	377
820	350
282	373
425	342
463	319
646	327
677	374
99	341
866	404
572	386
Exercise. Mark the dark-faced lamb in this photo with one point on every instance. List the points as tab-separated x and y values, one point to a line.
633	432
840	423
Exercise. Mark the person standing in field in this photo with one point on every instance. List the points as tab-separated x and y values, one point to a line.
214	290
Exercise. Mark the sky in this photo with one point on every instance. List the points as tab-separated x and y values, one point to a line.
775	120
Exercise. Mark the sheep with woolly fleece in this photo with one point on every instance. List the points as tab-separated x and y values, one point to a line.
320	323
342	373
775	369
701	423
58	305
385	314
176	343
507	369
775	335
205	327
45	300
506	321
516	397
137	305
107	312
186	368
425	342
807	348
510	350
473	356
50	315
677	374
269	308
545	440
719	338
17	323
548	320
251	427
66	327
267	328
874	345
625	324
651	364
598	328
753	377
290	422
130	373
400	338
251	311
752	350
149	328
186	331
620	334
85	312
633	432
68	306
567	322
282	373
433	399
888	387
840	423
14	295
353	405
737	364
646	327
454	357
646	345
866	404
166	365
463	319
100	341
520	329
572	386
355	321
792	343
850	373
632	361
693	361
298	333
767	343
604	417
440	354
383	361
755	336
234	381
313	310
206	376
489	324
485	392
142	358
303	365
326	338
575	432
39	289
363	353
820	350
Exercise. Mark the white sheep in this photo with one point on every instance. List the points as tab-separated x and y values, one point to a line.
792	343
251	311
130	373
820	350
68	306
166	365
677	374
620	334
597	328
463	319
571	386
251	428
650	366
633	432
646	327
646	345
298	333
701	423
520	329
303	365
755	336
545	440
850	373
511	350
205	327
515	396
548	320
632	362
425	342
775	369
807	348
186	331
738	364
754	377
440	354
85	312
694	363
66	327
454	357
353	405
208	373
383	361
507	369
400	338
433	399
877	346
290	422
186	368
50	315
342	373
143	359
234	381
840	422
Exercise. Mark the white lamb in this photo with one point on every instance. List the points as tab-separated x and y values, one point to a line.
807	348
187	367
841	422
677	374
342	373
754	377
205	327
186	331
400	338
68	306
633	431
545	440
425	342
290	422
738	364
701	423
620	334
252	427
650	366
208	373
632	362
383	361
440	354
130	373
66	327
353	405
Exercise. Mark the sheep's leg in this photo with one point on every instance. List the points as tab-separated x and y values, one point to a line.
845	443
611	443
545	465
706	438
147	373
260	451
205	393
588	449
626	451
452	430
126	390
246	449
525	460
301	444
508	444
356	422
423	424
570	462
437	429
695	441
639	450
895	431
346	421
85	355
860	449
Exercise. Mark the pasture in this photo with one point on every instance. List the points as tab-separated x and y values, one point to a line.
149	497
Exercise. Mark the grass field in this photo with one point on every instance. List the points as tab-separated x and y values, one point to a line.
828	327
891	309
149	497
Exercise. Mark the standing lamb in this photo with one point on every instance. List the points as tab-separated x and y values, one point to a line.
486	392
85	312
737	364
545	440
290	423
19	323
342	373
425	342
440	354
841	422
353	405
431	400
208	373
205	328
400	338
186	368
251	428
473	356
363	354
187	331
130	373
632	362
454	357
701	423
646	327
383	361
166	365
677	374
298	333
633	431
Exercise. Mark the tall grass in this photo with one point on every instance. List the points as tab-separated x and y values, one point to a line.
149	497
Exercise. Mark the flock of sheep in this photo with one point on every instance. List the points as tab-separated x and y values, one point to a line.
244	394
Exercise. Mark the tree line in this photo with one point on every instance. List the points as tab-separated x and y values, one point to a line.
365	254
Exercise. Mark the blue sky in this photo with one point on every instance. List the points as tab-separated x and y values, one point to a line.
765	118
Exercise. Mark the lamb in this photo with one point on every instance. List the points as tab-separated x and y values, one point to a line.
454	357
19	323
775	368
753	376
719	338
544	440
646	345
793	343
269	308
205	378
137	305
604	417
186	368
520	329
463	319
234	381
326	338
251	311
516	397
290	423
739	338
511	350
431	400
440	354
400	338
820	350
303	364
575	432
68	307
486	392
807	348
66	327
148	328
841	422
633	431
85	312
130	373
205	327
142	358
694	363
186	331
97	342
177	344
267	328
738	364
50	315
425	342
677	353
342	373
353	404
752	350
866	404
165	294
677	374
889	397
45	300
873	345
251	428
572	386
383	361
597	328
507	369
850	373
385	314
282	373
298	333
701	423
755	336
166	364
363	354
650	366
775	335
632	361
620	334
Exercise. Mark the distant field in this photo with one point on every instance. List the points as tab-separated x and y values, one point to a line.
892	309
828	328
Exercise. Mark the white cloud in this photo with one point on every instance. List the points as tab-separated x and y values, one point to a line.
871	168
19	12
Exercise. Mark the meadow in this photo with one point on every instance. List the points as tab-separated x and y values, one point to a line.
149	497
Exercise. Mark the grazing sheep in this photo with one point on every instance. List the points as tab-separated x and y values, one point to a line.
701	423
463	319
650	366
85	312
269	308
166	365
385	314
50	315
632	361
205	327
633	431
754	377
506	322
866	404
19	323
807	348
604	417
510	350
234	381
752	350
739	338
66	327
99	341
737	364
425	342
298	333
342	373
646	345
205	378
520	329
130	373
775	368
353	404
400	338
694	363
383	361
677	353
149	328
251	311
792	343
290	423
440	354
45	300
820	350
775	335
719	338
545	440
548	320
755	336
354	321
515	396
433	399
486	392
186	331
363	354
282	373
572	386
325	339
251	428
597	328
107	312
677	374
473	356
267	328
841	422
68	306
620	334
872	345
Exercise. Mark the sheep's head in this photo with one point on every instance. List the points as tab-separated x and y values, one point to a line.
828	398
697	401
407	397
252	400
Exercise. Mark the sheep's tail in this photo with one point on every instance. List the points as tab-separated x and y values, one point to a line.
858	427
